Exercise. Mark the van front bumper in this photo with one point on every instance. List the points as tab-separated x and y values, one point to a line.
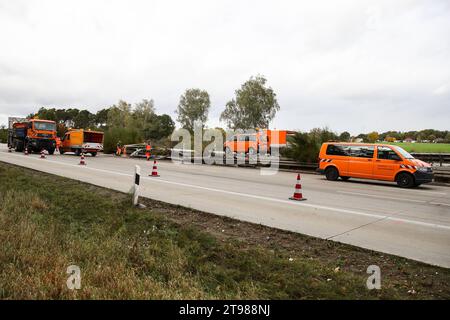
423	177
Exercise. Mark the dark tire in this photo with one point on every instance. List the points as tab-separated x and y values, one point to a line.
51	151
93	154
345	178
19	147
61	151
78	152
405	180
331	173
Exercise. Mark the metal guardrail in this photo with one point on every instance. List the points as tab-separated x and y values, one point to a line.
441	173
441	158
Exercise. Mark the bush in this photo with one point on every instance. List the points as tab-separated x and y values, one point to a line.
305	147
124	135
3	135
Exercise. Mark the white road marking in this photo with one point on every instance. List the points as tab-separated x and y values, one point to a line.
380	196
291	202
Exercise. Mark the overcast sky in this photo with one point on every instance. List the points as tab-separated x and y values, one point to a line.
349	65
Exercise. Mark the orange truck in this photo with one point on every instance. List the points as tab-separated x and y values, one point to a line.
372	161
33	134
82	141
260	141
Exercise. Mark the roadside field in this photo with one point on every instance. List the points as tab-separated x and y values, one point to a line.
423	147
165	251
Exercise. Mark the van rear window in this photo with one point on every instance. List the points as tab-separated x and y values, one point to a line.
337	150
350	151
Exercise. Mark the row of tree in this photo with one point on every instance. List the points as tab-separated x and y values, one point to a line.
253	106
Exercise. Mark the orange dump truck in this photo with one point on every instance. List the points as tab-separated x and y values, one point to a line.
33	134
260	141
82	141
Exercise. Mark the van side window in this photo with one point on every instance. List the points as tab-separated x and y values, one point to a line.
362	151
337	150
242	138
387	153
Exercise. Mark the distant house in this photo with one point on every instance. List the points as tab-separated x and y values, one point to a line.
358	140
409	140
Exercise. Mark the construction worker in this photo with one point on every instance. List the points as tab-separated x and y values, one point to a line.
119	148
147	151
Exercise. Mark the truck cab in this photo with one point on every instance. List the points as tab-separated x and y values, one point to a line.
34	134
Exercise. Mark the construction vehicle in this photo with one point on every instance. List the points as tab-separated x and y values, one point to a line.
34	135
82	141
260	141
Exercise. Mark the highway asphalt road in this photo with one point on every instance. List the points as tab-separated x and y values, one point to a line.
413	223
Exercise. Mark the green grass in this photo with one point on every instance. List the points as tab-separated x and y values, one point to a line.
48	223
423	147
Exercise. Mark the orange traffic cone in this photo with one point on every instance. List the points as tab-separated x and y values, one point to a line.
26	151
42	154
82	161
298	191
155	170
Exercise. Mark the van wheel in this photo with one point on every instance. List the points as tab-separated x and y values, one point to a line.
405	180
345	178
331	174
93	154
78	152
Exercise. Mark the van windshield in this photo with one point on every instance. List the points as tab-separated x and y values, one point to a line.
404	153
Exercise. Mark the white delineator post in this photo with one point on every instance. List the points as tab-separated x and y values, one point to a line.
137	179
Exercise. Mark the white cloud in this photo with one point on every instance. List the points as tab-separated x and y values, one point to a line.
358	65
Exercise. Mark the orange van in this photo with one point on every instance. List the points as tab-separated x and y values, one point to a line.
372	161
260	141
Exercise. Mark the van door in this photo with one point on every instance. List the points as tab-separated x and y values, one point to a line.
386	164
360	163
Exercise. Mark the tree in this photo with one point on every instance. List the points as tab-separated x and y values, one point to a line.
372	137
194	105
143	113
447	138
254	106
161	126
344	136
101	117
119	115
84	119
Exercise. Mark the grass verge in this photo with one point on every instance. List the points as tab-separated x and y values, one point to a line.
169	252
423	147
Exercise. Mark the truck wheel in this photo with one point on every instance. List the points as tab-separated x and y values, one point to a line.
51	151
61	151
78	152
19	147
93	154
331	173
405	180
